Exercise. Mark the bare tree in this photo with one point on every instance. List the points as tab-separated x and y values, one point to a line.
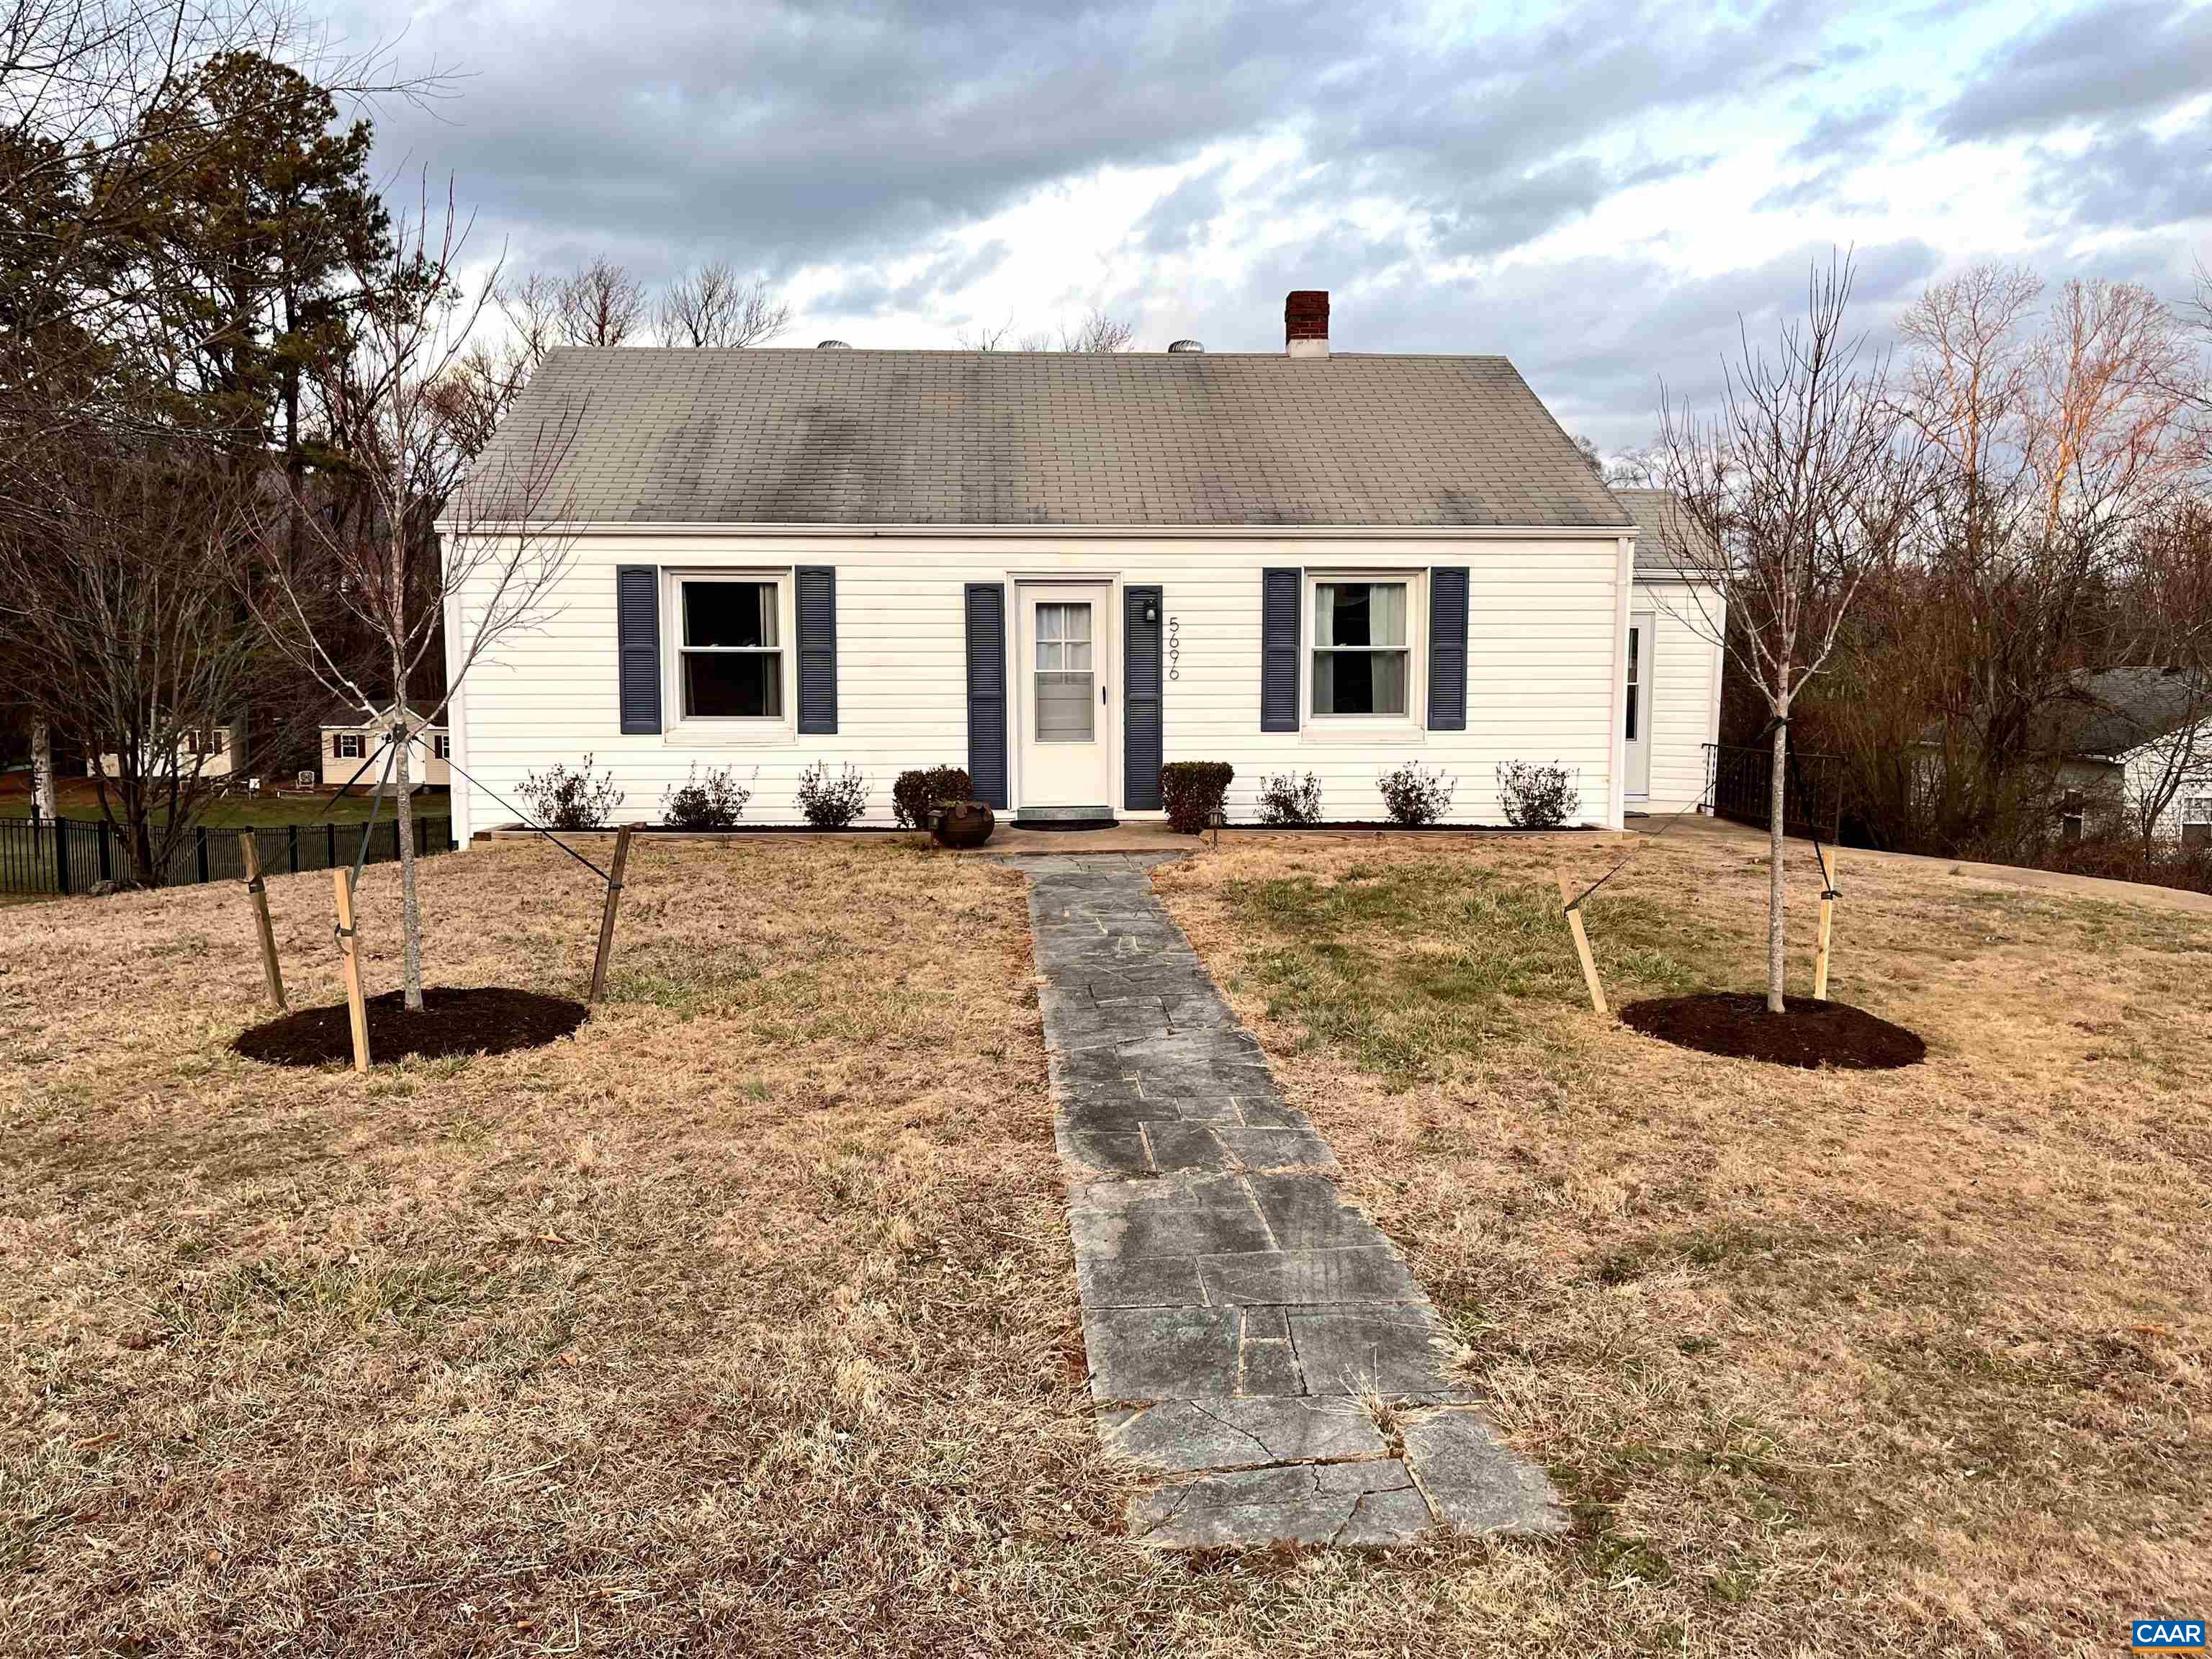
119	590
2171	585
2054	445
1097	331
1642	468
1800	488
599	304
713	306
987	337
504	550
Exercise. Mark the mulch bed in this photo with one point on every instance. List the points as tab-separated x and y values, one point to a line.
489	1020
1807	1033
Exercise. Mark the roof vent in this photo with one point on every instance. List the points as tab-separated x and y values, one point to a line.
834	345
1185	345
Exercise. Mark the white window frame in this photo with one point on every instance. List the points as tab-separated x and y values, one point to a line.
343	740
718	730
441	746
1413	724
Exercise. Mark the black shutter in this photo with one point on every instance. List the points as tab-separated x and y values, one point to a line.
1279	650
1447	649
818	648
1143	733
987	692
637	636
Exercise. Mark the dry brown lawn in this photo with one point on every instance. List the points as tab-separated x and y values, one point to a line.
743	1322
1877	1363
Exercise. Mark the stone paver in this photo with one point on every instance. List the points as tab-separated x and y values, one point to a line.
1250	1334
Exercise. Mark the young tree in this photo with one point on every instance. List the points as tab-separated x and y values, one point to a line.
505	547
1800	483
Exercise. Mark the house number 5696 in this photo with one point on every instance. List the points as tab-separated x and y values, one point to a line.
1175	646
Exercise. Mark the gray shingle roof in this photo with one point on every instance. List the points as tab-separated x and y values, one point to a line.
1661	528
1047	437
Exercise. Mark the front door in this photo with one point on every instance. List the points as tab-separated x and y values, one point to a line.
1638	783
1062	658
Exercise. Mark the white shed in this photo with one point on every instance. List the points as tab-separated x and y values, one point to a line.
354	751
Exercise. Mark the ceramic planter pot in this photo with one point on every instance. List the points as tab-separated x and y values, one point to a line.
961	823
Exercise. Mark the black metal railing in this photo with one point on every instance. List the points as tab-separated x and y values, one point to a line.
1738	782
62	855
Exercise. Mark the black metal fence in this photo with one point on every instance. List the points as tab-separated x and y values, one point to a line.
1740	784
62	856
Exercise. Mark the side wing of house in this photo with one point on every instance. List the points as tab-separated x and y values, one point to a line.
1062	668
1676	666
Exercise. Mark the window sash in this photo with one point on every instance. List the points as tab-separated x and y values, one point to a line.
1361	647
715	668
348	745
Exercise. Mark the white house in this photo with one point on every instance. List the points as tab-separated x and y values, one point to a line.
212	752
1061	570
353	751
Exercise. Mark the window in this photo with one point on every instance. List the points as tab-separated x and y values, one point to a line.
1635	677
1065	679
731	649
1362	657
442	746
347	745
2196	822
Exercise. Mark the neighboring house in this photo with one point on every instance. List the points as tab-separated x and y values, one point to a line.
1062	570
1676	618
216	752
2117	741
354	751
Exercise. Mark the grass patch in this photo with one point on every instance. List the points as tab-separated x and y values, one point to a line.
1400	968
1913	1360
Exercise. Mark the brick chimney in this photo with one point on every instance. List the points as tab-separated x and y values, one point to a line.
1305	322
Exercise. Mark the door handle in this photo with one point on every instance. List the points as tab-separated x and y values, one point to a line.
1102	692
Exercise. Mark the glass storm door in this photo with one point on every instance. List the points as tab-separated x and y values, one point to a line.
1063	659
1639	710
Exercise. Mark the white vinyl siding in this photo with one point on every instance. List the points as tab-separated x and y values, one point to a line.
1680	698
1540	664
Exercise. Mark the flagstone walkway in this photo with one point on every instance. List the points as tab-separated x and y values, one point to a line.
1252	1338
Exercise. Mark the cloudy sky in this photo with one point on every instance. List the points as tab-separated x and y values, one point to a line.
1599	191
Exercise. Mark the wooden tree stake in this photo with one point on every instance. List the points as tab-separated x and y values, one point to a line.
607	918
349	947
249	851
1581	943
1827	921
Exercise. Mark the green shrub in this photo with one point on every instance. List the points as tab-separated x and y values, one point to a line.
716	804
1538	797
571	800
1193	792
1413	797
831	803
1287	799
918	790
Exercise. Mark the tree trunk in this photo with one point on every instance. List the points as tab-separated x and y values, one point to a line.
43	802
410	907
1777	787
